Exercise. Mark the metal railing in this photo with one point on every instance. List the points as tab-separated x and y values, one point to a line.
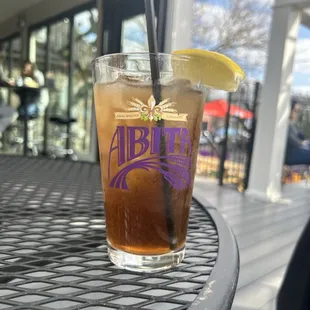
225	153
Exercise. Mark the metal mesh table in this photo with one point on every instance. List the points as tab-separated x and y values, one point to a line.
53	249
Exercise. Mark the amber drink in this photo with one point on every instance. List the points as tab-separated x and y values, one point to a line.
148	151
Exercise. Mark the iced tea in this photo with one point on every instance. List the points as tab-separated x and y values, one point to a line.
130	127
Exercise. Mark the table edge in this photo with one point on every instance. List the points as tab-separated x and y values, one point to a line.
219	290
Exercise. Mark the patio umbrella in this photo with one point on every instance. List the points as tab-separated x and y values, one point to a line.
216	108
219	108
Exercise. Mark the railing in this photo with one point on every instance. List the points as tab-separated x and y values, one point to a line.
226	150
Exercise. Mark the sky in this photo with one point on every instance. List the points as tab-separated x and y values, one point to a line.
301	75
302	61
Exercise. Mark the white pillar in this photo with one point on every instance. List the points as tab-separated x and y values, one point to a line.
273	114
179	25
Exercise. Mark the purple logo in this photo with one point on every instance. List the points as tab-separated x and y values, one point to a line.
129	143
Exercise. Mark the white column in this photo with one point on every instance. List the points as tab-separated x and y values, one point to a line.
273	114
179	25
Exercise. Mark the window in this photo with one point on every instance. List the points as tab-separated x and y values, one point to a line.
58	73
4	59
134	37
4	69
38	56
37	48
10	67
63	51
16	58
85	50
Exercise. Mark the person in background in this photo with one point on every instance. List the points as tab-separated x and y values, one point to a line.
32	77
38	77
298	147
30	70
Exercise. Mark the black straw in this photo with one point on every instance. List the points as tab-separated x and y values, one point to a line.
153	49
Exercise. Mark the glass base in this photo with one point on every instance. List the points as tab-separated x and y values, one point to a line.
145	263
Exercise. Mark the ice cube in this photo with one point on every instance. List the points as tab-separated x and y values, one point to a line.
135	79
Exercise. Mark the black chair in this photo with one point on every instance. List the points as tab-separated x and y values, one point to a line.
28	112
8	115
295	290
292	161
59	120
61	133
17	130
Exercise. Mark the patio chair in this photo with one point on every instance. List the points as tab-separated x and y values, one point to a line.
61	134
8	116
297	160
16	130
295	290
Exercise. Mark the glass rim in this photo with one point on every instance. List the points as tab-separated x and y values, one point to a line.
107	56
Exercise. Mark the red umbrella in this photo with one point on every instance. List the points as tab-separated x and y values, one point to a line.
219	108
216	108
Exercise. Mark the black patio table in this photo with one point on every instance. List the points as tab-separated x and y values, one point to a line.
53	249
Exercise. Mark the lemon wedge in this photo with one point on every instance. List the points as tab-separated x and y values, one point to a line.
212	69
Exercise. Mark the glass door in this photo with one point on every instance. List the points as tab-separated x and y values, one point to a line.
85	33
63	50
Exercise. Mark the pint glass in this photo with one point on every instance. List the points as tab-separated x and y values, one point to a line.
148	147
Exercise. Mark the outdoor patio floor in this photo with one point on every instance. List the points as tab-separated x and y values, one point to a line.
266	234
